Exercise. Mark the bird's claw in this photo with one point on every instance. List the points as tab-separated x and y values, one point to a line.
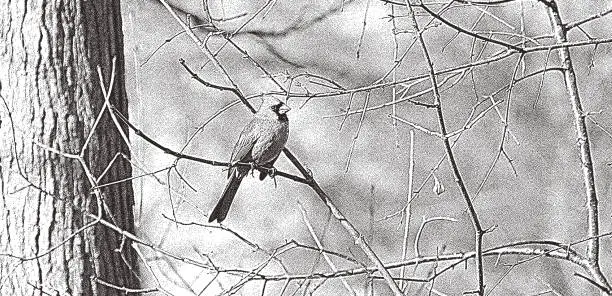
272	172
252	169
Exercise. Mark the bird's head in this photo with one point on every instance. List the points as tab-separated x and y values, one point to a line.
273	107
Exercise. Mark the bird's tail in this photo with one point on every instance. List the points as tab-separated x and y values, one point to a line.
223	206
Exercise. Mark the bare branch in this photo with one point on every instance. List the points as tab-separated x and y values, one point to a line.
584	144
479	232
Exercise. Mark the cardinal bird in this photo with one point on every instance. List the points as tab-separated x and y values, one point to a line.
260	143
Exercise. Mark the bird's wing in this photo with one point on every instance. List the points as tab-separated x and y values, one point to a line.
242	149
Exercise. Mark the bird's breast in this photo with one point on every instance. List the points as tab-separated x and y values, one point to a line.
271	141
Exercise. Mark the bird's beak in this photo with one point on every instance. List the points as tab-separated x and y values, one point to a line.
283	109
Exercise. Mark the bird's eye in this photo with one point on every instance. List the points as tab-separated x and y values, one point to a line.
274	108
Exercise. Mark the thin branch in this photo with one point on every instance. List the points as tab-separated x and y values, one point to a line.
588	19
150	269
363	28
126	290
584	145
366	101
189	31
314	236
593	282
467	32
407	210
479	232
455	258
498	56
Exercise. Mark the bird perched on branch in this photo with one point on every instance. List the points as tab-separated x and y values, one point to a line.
260	143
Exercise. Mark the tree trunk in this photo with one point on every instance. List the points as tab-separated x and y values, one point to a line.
50	95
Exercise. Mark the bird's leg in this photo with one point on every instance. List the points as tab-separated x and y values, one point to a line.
272	174
252	168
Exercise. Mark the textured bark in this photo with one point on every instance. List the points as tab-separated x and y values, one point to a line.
49	51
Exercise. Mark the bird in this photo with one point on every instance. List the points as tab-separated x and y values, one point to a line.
260	143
